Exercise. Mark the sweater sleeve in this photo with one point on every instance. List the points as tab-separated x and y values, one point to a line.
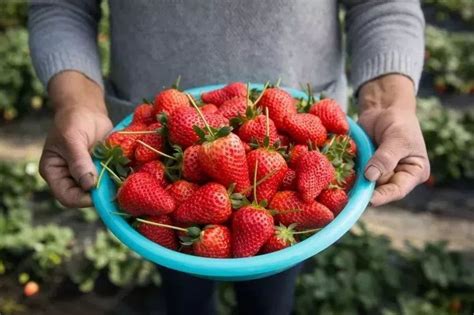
63	36
384	37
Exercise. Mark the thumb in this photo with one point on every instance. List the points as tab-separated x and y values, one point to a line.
80	163
385	159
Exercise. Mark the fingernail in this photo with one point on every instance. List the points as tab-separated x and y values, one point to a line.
372	173
87	181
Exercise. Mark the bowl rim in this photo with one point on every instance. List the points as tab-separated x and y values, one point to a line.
249	266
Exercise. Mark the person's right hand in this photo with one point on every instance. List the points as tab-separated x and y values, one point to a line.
80	121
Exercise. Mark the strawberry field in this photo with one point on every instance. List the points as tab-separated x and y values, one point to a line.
78	264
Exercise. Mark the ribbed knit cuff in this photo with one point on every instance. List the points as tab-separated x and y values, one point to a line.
55	63
403	62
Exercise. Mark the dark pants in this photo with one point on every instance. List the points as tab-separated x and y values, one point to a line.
185	294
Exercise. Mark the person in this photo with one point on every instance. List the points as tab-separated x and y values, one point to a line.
214	41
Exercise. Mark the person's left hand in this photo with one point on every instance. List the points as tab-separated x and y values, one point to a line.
388	115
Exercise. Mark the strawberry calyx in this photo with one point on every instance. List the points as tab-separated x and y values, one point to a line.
337	152
207	134
113	158
305	103
237	200
192	233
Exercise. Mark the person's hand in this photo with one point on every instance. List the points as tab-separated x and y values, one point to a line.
388	115
80	121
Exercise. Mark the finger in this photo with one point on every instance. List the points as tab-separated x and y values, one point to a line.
385	178
385	159
55	171
80	163
398	187
69	194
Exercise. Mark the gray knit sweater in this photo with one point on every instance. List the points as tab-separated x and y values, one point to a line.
217	41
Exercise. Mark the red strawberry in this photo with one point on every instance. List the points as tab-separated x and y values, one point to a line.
348	181
352	147
247	147
252	226
154	140
160	235
284	140
142	194
282	238
126	141
191	169
144	114
333	198
305	128
127	144
289	181
234	107
292	209
157	169
254	130
280	104
274	244
331	115
181	190
214	242
295	153
169	100
218	97
209	108
269	161
181	122
314	172
224	160
210	204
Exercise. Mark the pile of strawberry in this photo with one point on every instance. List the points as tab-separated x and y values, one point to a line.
237	173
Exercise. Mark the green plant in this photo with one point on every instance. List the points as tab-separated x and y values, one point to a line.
13	13
40	249
20	90
449	139
362	274
453	9
124	267
450	60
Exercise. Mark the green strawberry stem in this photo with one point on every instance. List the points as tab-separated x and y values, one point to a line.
162	225
264	178
265	87
176	83
275	212
255	182
155	150
106	167
144	132
102	171
278	82
193	103
307	231
193	232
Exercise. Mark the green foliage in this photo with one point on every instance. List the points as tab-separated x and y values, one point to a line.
13	13
453	9
124	267
449	138
361	274
20	90
27	247
103	38
450	59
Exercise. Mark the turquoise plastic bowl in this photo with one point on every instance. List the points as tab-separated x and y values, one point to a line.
237	269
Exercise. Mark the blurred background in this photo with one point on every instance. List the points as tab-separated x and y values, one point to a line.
412	257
